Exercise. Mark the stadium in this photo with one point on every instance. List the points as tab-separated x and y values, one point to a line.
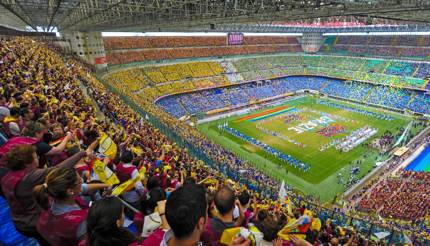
214	122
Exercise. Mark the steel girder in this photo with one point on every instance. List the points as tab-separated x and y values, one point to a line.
144	15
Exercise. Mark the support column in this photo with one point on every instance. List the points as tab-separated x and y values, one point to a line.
89	46
311	42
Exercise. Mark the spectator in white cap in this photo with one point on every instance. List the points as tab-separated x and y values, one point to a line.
4	112
9	121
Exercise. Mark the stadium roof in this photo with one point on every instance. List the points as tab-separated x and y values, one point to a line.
185	15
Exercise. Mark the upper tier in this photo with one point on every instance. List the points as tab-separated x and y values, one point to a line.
116	43
155	81
120	50
411	47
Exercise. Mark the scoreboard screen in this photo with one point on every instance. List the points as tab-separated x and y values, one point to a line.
235	38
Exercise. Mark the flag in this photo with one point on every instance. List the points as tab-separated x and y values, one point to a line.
290	228
166	168
228	235
142	170
107	146
316	224
382	235
8	119
290	207
167	147
126	186
137	150
104	174
407	239
158	163
282	192
210	181
380	218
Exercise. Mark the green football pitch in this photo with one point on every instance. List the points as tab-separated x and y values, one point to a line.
309	131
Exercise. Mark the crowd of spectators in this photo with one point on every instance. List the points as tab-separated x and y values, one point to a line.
298	82
405	46
128	56
419	104
243	94
117	43
360	200
361	89
402	68
410	74
401	74
122	50
37	79
147	105
403	196
169	79
386	140
55	196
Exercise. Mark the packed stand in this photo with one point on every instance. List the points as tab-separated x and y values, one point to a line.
121	50
377	192
61	151
236	96
401	74
403	196
405	46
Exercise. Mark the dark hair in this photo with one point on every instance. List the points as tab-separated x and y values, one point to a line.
90	136
136	162
24	105
152	183
24	111
244	198
312	236
297	213
20	156
155	195
57	182
209	200
102	228
34	101
127	156
261	215
14	111
189	181
184	207
34	127
224	200
269	227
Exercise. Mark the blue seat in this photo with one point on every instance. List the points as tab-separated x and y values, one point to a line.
8	234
